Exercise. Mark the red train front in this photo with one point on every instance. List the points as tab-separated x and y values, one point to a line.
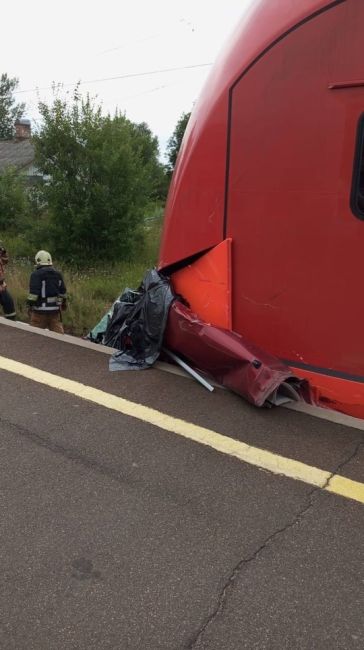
273	159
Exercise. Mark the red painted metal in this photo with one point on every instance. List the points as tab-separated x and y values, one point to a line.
268	161
206	285
342	85
228	358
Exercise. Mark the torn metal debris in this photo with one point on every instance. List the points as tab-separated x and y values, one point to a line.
143	322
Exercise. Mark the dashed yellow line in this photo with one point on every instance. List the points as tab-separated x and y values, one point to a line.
260	458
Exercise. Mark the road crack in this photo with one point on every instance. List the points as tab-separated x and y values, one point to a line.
239	567
127	477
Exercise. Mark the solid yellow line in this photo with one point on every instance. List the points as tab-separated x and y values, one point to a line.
346	488
260	458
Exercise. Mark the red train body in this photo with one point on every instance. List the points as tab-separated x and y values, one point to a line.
273	159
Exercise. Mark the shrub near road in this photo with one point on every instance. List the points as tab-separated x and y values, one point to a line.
100	174
98	209
91	290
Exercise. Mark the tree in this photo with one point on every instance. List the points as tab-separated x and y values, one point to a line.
101	173
13	199
149	152
175	141
9	110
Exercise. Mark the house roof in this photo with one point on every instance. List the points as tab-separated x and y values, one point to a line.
18	153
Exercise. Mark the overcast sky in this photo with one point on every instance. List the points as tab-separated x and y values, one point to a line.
44	42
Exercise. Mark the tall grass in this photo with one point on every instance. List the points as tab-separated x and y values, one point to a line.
91	291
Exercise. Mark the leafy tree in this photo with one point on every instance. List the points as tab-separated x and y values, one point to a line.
175	141
13	199
9	110
101	173
149	151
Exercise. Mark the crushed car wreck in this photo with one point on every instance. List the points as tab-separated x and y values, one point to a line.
146	323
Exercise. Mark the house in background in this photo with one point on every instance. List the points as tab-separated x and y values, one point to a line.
19	152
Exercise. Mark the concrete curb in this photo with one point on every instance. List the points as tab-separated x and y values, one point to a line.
301	407
81	343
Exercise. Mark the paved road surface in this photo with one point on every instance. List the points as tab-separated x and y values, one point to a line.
118	534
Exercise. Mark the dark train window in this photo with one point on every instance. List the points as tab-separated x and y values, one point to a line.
357	193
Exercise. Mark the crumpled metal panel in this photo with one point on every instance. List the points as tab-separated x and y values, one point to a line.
238	365
206	285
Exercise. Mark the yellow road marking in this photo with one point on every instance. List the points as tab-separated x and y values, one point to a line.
260	458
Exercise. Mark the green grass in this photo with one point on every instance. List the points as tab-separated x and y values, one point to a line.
91	291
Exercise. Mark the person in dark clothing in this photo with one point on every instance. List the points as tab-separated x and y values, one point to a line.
47	294
6	300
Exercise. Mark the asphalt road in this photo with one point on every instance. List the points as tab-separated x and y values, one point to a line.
117	534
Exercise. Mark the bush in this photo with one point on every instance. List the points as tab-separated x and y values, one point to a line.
13	199
101	172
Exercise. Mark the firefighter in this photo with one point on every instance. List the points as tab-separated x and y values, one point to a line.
47	295
6	300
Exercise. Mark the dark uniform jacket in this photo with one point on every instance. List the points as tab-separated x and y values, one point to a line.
47	290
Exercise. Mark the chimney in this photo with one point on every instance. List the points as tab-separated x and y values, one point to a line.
22	129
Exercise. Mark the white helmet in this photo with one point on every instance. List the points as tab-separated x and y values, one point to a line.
43	258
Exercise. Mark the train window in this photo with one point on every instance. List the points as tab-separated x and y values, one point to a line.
357	194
